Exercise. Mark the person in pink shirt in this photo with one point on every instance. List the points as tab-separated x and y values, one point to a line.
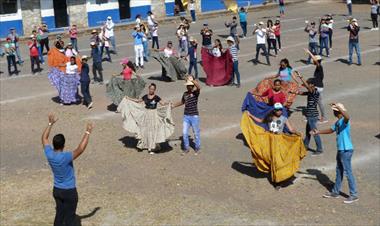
34	54
73	32
277	33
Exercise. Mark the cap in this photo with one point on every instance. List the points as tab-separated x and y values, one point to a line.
124	61
318	57
109	18
261	23
84	57
231	39
93	31
189	83
92	43
277	106
340	105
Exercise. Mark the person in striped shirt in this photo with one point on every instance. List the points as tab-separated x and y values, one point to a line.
234	53
311	112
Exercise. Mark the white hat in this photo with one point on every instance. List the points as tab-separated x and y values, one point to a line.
192	39
69	44
318	57
261	23
277	106
354	20
231	39
109	18
340	105
84	57
189	83
32	36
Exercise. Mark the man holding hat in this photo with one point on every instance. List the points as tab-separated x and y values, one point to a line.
234	53
191	114
261	32
353	42
192	53
342	128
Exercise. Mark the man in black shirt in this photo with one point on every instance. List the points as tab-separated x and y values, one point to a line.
206	36
191	113
311	113
318	78
85	83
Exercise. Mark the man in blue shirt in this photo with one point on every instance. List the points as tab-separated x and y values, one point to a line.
96	63
61	163
243	19
139	48
342	128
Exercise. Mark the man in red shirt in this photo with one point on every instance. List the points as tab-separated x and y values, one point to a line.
34	54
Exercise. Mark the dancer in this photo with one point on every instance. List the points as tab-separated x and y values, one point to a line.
61	163
285	72
260	39
342	128
217	49
353	42
120	87
271	37
44	32
149	118
85	83
324	37
273	94
234	55
243	19
206	36
312	30
233	30
182	40
191	114
69	51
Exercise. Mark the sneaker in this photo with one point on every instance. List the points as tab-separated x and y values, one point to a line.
197	152
330	195
101	83
351	199
90	105
193	22
317	153
237	85
184	152
151	152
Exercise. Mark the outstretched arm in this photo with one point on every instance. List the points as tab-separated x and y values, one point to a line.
344	113
312	57
325	131
83	144
259	120
45	134
291	128
304	82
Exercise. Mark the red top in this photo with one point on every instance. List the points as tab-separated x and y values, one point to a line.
127	73
33	50
277	30
274	97
73	33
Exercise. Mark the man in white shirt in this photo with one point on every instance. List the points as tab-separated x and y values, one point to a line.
260	32
191	8
109	30
349	7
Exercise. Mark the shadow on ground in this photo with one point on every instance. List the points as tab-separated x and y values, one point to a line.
78	219
131	142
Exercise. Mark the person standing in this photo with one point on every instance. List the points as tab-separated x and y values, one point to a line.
191	8
311	113
243	19
277	33
271	37
324	38
312	31
193	56
38	38
109	29
96	63
319	76
85	82
375	10
44	32
349	7
330	25
151	21
154	34
34	54
353	42
139	48
61	163
15	40
73	32
342	128
105	43
10	52
145	42
260	40
234	53
281	4
233	30
206	36
191	114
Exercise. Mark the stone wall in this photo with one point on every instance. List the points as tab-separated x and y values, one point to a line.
158	8
77	13
31	14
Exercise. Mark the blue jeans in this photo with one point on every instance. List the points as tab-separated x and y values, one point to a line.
310	125
192	12
113	43
146	50
282	9
312	49
235	72
349	7
41	57
324	45
193	64
351	46
244	27
191	121
343	166
74	42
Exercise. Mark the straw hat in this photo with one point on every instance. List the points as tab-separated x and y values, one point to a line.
84	57
340	105
231	39
192	39
189	83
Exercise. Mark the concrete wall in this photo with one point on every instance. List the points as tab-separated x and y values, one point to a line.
158	8
77	13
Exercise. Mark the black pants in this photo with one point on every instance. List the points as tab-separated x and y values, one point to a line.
155	40
279	41
35	60
330	37
11	60
66	205
262	46
85	89
44	42
97	68
375	24
272	45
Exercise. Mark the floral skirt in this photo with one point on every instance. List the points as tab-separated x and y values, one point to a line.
66	85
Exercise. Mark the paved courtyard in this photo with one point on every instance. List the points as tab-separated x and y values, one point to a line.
119	185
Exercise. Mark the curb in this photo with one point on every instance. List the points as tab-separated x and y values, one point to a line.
167	20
